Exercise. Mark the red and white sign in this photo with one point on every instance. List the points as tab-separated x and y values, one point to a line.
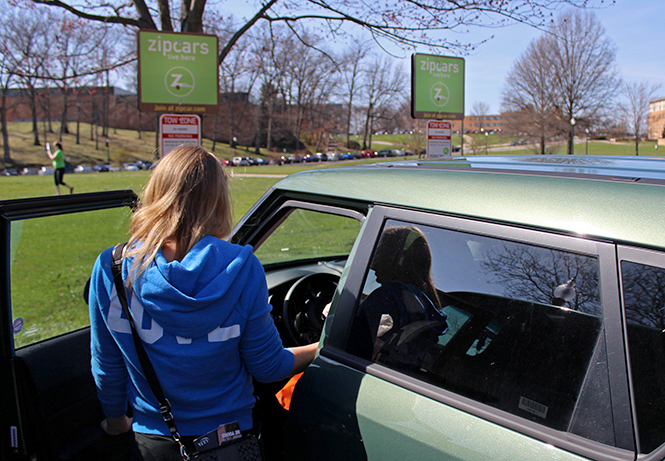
176	130
439	139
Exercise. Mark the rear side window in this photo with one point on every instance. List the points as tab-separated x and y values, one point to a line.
510	325
644	301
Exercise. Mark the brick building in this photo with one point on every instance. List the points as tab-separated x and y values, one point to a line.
474	123
657	119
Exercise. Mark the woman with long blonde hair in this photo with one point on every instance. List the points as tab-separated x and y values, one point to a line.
200	305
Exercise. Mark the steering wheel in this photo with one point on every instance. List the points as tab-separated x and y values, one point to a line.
302	314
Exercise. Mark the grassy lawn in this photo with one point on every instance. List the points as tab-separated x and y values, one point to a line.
124	146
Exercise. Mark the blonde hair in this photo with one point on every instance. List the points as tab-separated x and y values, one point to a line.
186	199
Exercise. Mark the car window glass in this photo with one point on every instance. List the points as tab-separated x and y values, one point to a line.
51	260
644	301
307	234
511	325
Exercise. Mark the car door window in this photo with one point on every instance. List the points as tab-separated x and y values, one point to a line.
644	302
307	234
51	260
508	324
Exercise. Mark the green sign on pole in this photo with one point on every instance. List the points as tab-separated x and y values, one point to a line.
178	73
437	87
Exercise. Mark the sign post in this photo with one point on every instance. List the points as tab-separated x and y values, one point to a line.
176	130
439	139
178	73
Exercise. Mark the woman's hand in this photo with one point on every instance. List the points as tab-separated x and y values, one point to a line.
116	426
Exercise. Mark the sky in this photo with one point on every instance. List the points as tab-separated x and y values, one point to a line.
635	26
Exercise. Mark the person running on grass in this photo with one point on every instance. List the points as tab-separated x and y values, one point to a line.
58	158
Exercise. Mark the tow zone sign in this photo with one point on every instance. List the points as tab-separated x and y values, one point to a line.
439	139
176	130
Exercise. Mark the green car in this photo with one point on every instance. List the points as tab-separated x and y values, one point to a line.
479	308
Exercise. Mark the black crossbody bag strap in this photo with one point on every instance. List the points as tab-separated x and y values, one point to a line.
148	370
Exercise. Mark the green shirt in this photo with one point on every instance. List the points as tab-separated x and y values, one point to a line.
58	159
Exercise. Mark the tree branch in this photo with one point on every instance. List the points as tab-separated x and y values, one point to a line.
232	41
144	22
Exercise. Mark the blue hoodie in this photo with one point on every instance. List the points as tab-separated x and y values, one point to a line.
206	326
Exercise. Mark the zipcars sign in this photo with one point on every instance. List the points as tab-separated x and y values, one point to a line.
178	73
437	87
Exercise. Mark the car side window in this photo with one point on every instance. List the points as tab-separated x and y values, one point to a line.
307	234
644	302
510	325
51	260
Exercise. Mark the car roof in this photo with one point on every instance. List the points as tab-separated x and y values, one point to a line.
613	198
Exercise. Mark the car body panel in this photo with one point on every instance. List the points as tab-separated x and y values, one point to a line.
413	423
612	209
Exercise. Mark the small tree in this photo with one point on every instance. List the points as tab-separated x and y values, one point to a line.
635	107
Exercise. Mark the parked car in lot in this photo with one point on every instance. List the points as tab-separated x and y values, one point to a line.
144	164
309	158
481	308
83	169
45	170
130	167
29	171
368	153
258	161
241	161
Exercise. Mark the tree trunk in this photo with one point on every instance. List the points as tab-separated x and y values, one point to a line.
214	133
157	134
63	119
637	144
5	134
78	119
33	109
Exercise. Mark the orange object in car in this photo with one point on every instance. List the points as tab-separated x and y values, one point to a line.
285	394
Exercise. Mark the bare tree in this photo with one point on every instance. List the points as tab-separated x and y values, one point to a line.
29	40
238	73
635	107
383	85
583	72
480	110
8	68
351	74
526	96
565	77
409	24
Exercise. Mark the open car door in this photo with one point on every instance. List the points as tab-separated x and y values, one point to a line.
49	245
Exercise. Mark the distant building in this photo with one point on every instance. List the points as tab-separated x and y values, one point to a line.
657	119
474	123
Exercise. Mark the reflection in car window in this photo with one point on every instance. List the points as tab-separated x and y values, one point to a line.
51	260
511	325
644	301
307	234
